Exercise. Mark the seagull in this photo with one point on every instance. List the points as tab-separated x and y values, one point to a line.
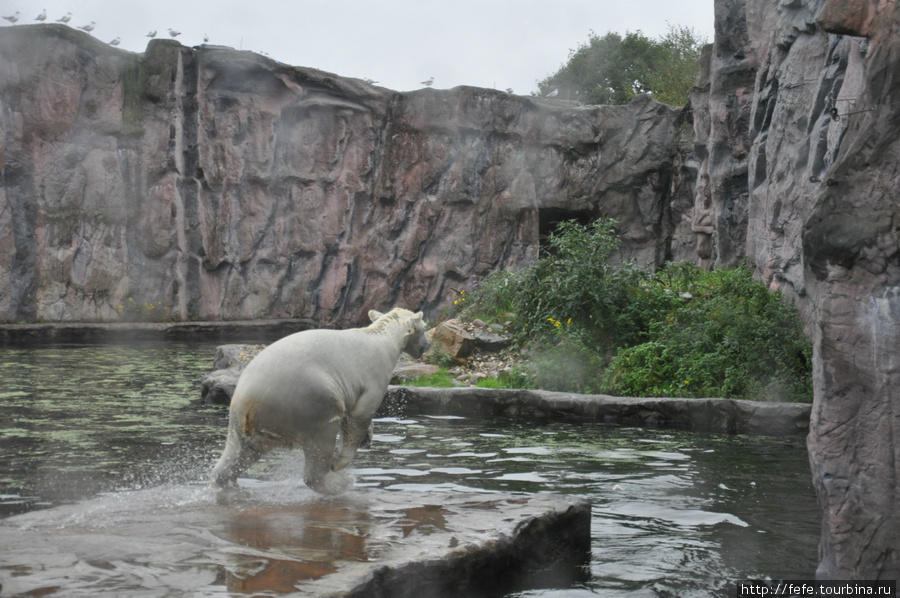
370	81
553	93
116	41
13	18
509	90
428	82
152	33
174	33
88	28
205	38
42	16
65	19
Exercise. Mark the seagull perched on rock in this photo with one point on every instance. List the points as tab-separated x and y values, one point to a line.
13	18
509	90
370	81
42	16
174	33
65	18
152	33
116	41
88	28
428	82
553	93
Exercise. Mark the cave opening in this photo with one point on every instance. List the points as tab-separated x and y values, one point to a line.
550	218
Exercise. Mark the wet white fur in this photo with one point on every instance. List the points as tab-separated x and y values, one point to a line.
317	390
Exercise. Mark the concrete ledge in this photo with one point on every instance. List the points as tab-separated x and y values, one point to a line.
725	416
178	541
251	331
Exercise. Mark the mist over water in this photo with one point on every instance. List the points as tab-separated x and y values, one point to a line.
673	513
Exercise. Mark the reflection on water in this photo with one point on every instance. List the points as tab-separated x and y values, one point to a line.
674	514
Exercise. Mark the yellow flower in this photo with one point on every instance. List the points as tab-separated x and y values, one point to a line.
557	323
569	321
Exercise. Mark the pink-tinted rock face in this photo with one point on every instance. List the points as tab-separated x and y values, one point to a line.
221	184
805	126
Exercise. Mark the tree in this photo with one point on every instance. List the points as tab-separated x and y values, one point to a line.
613	69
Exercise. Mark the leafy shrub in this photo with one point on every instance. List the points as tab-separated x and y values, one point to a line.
437	356
574	282
493	298
726	336
594	326
569	366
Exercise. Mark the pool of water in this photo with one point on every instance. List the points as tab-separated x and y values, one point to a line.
673	513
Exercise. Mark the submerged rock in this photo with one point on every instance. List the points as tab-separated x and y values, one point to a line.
230	360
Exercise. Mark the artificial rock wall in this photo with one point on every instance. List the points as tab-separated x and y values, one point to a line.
224	185
797	126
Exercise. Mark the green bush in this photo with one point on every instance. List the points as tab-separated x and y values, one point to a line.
595	326
573	283
569	366
726	336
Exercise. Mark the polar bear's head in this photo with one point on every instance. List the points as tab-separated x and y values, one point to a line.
415	343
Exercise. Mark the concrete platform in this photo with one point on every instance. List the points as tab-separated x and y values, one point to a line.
712	415
285	540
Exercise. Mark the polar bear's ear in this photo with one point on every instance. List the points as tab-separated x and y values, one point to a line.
374	315
420	315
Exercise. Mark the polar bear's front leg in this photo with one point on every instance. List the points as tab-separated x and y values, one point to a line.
319	455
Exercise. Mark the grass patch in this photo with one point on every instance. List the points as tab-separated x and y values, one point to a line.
440	379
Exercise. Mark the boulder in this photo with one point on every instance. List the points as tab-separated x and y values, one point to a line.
490	341
452	338
230	360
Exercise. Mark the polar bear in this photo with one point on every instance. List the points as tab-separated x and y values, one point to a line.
317	389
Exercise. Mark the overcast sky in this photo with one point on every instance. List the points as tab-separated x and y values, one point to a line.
400	43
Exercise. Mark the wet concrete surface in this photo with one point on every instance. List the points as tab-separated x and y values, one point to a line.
281	539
